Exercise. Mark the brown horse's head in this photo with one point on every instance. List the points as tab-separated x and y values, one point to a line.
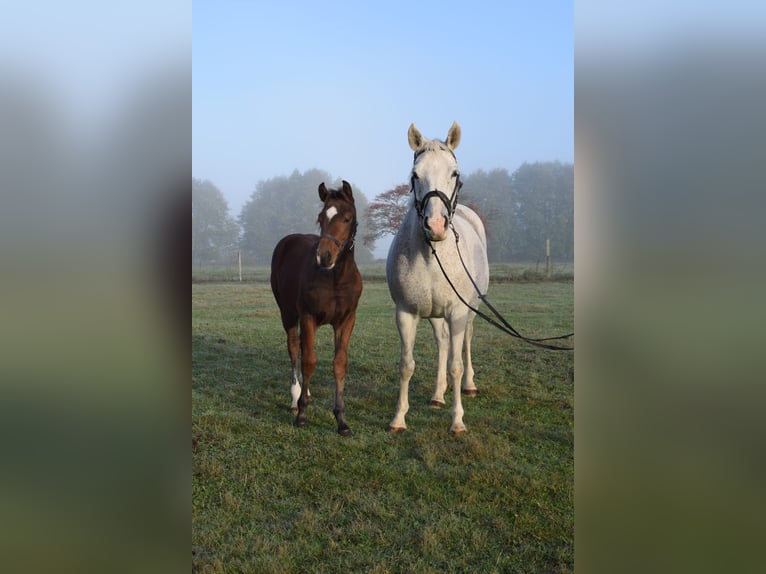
337	222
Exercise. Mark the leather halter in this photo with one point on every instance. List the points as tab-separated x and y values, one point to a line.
451	205
341	244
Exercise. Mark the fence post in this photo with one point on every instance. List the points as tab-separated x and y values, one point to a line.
239	264
548	257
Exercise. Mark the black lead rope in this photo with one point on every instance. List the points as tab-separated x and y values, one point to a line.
503	324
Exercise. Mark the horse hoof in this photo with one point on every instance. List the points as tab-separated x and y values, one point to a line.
436	404
457	431
345	432
470	392
300	423
295	410
395	430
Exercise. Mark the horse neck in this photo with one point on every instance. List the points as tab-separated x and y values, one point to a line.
344	263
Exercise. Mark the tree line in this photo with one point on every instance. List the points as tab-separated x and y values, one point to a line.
523	209
520	211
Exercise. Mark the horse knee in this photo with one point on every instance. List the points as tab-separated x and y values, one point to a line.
455	369
406	368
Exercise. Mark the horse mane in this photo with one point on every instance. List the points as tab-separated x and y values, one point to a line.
433	145
334	193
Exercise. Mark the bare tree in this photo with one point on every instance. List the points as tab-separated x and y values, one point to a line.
385	214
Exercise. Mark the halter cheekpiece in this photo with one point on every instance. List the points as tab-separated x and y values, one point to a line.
451	205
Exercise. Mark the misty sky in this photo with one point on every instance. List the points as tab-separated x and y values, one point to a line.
279	86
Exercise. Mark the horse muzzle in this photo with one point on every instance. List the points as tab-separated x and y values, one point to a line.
435	228
328	251
325	258
435	220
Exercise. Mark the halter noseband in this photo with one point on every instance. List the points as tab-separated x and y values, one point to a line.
341	244
420	206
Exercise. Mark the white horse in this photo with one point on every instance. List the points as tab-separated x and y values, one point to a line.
435	223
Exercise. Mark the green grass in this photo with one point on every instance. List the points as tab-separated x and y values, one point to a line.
500	272
268	497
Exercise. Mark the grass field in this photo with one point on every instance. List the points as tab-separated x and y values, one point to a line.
500	272
268	497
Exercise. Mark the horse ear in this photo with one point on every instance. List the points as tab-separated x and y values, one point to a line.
322	192
347	191
453	136
414	137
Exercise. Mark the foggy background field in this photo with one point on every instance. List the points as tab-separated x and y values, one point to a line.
334	86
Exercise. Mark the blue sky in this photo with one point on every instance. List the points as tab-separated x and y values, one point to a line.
279	86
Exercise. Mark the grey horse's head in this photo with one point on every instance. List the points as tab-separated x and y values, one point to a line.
435	180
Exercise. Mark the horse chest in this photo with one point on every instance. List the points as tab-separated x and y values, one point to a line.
328	303
419	287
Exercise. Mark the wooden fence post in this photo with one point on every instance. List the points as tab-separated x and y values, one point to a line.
239	264
548	257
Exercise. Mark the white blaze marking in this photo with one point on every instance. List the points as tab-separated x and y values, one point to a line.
331	212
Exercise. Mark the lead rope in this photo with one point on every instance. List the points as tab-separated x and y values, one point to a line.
503	325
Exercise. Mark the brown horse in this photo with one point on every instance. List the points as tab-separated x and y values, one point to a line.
316	282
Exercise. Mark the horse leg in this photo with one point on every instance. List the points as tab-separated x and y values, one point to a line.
457	326
339	366
308	365
469	387
407	325
441	335
294	350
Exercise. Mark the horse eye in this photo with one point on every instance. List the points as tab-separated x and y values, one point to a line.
347	220
456	173
414	175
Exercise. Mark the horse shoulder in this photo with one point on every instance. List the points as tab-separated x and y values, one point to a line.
473	241
470	216
407	243
350	286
